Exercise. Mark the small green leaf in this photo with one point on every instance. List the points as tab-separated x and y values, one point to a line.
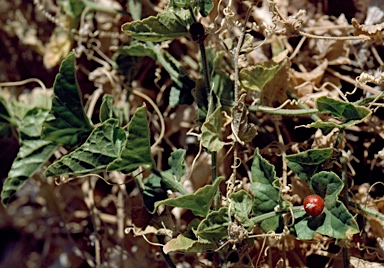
215	226
201	97
135	8
241	206
270	79
137	151
102	147
7	122
326	127
165	26
266	196
222	83
33	153
176	161
198	202
108	110
205	7
335	221
154	190
184	244
181	92
348	111
211	134
180	3
137	49
67	122
307	163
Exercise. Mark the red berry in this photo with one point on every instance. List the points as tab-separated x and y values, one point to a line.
313	205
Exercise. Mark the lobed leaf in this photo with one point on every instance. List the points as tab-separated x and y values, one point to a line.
211	135
215	225
335	221
176	161
266	196
185	244
198	202
241	206
137	151
165	26
351	113
33	153
307	163
67	122
102	147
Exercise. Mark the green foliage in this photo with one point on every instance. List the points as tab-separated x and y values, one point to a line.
185	244
198	202
67	123
183	84
349	113
241	206
108	110
266	196
335	221
137	151
307	163
102	147
33	153
214	226
165	26
211	136
176	161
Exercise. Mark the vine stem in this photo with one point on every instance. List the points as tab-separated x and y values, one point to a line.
237	53
344	177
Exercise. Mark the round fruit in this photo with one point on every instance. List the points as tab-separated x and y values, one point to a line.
313	205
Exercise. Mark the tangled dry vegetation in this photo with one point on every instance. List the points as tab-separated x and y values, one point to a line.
328	48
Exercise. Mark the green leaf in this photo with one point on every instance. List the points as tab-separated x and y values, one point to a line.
102	147
137	151
241	206
33	153
176	161
108	110
266	196
307	163
335	221
135	8
326	127
198	202
256	77
222	83
201	97
211	134
351	113
215	226
138	49
165	26
270	79
185	244
205	7
7	122
67	122
154	190
180	3
75	8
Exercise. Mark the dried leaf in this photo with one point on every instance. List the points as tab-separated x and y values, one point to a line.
243	131
375	32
